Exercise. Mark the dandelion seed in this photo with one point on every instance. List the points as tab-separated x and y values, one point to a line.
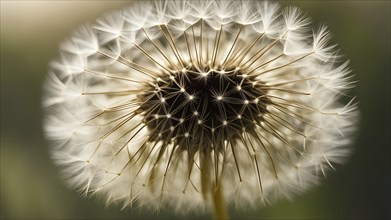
194	104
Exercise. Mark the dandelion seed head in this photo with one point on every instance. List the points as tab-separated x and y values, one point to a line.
161	103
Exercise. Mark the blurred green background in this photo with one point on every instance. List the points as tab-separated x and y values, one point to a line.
32	189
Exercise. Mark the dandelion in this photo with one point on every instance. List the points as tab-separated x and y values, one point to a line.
195	104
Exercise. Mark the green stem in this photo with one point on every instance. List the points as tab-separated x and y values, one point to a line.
220	210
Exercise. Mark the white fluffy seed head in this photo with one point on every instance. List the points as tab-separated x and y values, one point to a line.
162	102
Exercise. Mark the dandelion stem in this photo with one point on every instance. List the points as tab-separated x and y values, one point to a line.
220	210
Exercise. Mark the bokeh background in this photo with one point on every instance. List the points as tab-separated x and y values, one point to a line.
32	189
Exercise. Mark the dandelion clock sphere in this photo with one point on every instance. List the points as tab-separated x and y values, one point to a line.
193	105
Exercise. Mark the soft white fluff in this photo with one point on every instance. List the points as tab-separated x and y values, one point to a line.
100	140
